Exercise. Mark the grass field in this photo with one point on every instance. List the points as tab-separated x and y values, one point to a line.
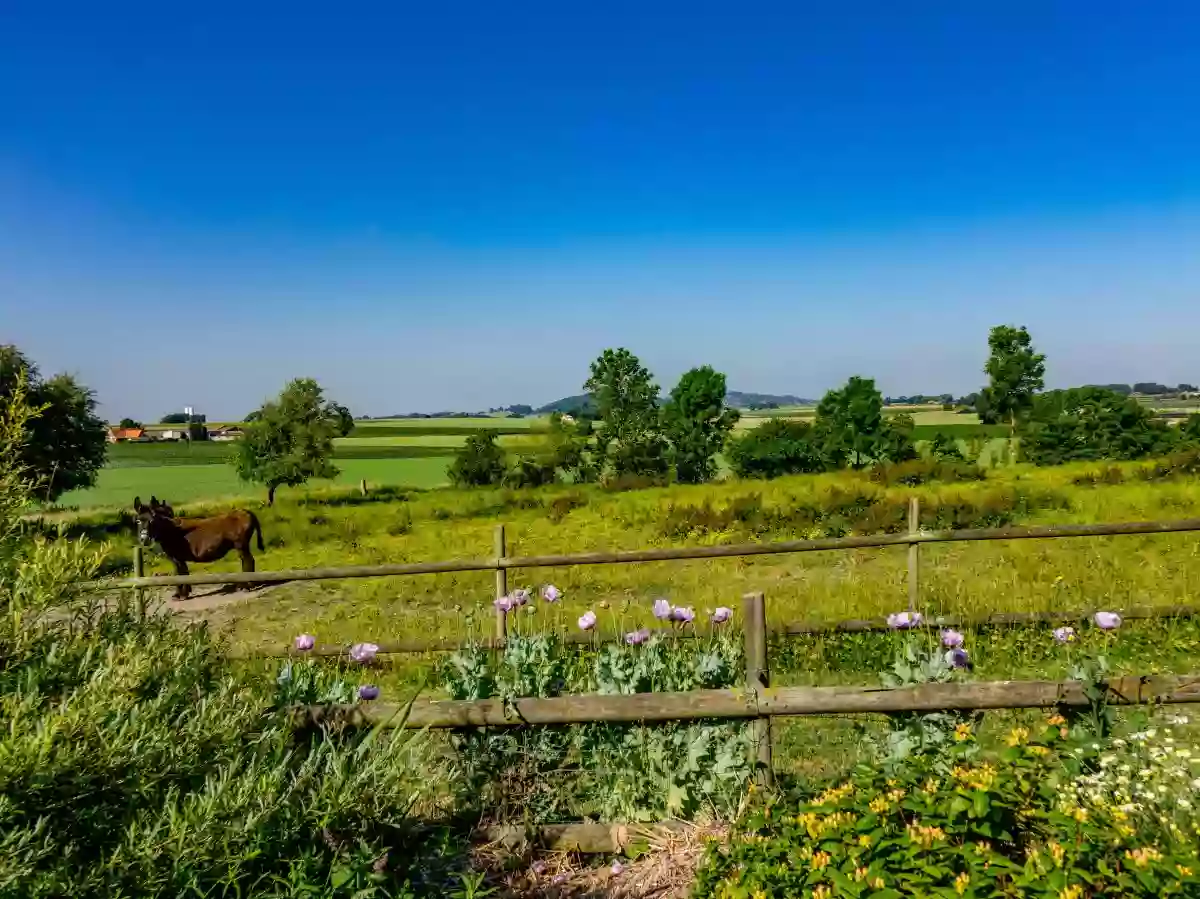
341	528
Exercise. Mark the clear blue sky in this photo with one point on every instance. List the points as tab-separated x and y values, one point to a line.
452	205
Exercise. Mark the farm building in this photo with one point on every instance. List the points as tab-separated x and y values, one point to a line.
128	435
232	433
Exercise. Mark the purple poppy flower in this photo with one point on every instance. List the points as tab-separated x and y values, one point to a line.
683	615
587	621
368	692
617	869
504	603
951	638
1064	635
958	658
363	652
305	642
1107	621
538	868
721	615
662	610
904	620
519	597
638	637
550	593
558	879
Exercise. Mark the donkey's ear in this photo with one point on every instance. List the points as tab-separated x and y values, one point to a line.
153	502
137	504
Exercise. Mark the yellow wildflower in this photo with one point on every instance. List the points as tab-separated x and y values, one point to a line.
860	874
864	839
877	883
1143	857
1056	852
962	732
1057	721
1017	736
961	882
821	859
1183	872
821	891
878	805
1039	750
1074	891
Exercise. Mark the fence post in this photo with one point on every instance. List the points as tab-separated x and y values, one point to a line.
758	677
501	583
362	486
914	553
139	570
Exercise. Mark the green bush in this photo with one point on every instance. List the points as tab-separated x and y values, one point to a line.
926	471
479	463
1092	423
776	448
1185	463
963	823
612	772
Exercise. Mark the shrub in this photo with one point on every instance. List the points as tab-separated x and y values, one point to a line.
1185	463
526	473
776	448
613	772
1106	474
1091	423
926	471
479	463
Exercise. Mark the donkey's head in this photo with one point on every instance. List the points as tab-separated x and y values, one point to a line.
152	520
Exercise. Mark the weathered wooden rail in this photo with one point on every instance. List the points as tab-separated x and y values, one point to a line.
764	702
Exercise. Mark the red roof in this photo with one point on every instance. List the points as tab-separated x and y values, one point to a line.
128	433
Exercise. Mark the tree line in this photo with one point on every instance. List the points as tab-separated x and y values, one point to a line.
626	434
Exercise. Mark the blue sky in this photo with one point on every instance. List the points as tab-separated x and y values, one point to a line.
458	205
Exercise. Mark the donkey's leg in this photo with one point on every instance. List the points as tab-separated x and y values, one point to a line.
247	564
183	590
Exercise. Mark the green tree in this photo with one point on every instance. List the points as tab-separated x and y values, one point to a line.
697	424
129	423
853	431
66	442
291	440
1091	423
345	421
479	463
630	440
1016	373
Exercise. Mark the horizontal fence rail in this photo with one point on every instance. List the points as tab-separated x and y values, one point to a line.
746	703
502	563
418	645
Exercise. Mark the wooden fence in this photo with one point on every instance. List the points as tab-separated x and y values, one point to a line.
501	564
757	701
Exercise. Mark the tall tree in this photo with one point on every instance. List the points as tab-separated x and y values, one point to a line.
630	440
697	423
291	440
479	462
66	442
853	431
1016	374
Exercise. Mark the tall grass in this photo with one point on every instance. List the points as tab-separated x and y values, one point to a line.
135	761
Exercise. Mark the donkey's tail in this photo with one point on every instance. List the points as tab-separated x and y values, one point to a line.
257	528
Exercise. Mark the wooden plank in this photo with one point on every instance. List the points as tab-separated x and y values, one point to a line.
758	678
498	545
914	553
734	704
660	555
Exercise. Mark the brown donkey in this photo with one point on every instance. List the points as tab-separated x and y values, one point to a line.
185	540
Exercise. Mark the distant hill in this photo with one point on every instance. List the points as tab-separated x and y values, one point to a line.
735	398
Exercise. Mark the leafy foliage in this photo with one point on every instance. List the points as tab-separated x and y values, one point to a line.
64	445
614	772
630	442
697	424
480	462
775	448
1091	423
853	431
1016	373
292	438
927	471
